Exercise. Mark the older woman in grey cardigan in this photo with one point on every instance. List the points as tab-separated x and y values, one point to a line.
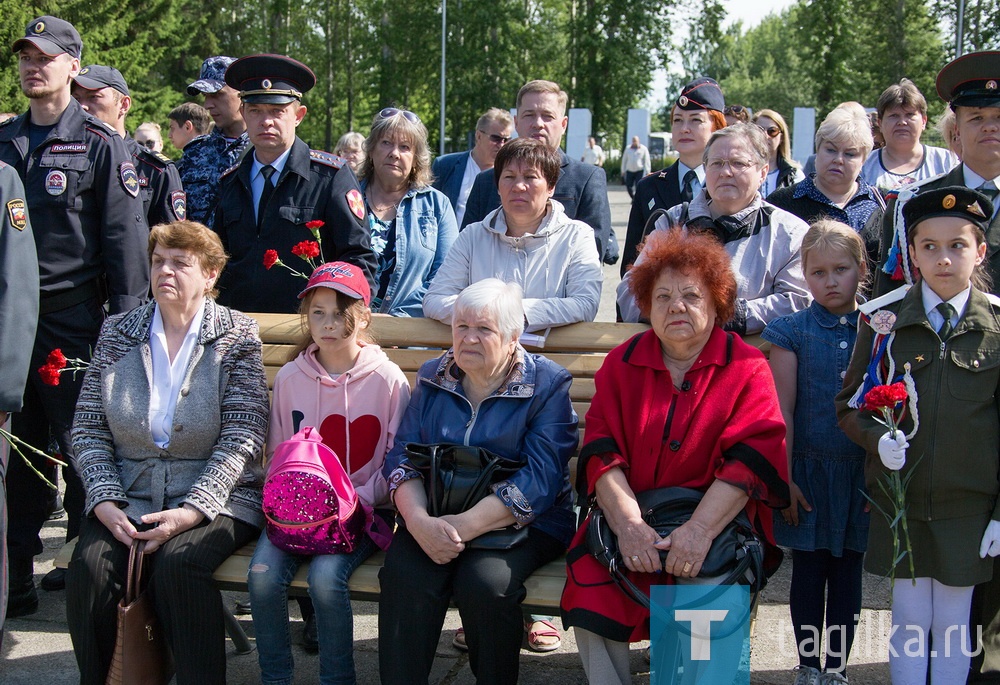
168	435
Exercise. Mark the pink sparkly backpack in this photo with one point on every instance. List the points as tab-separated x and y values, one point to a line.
309	501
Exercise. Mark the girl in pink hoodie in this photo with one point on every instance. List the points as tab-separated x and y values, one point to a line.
347	388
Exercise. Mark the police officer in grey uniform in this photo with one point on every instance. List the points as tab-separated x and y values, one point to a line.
82	192
104	93
266	201
205	159
18	316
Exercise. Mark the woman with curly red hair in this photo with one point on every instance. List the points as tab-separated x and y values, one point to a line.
688	394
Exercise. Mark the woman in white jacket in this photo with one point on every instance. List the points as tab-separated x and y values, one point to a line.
530	241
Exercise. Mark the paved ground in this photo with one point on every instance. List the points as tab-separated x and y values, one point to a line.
37	649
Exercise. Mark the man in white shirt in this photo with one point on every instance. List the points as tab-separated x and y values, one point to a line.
635	165
593	154
454	174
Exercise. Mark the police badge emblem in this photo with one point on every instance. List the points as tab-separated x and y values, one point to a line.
55	182
129	178
18	214
178	202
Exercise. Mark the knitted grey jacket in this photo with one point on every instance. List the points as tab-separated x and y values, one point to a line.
213	461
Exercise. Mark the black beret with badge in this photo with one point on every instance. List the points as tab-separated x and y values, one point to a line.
97	76
702	93
959	201
972	80
270	79
51	35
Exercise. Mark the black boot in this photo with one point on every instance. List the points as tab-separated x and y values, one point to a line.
23	597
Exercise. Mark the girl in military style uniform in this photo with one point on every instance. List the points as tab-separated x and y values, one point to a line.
943	335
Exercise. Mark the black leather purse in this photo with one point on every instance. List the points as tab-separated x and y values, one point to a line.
457	477
736	555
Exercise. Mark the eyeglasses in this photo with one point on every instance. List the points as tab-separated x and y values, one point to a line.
771	131
494	138
390	112
735	165
148	144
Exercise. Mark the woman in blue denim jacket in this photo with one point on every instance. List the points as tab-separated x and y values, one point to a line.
486	391
412	225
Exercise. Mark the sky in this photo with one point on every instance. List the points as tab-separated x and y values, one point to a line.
750	12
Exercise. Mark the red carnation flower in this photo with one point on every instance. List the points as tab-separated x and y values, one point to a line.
56	359
270	258
885	396
307	249
49	374
315	224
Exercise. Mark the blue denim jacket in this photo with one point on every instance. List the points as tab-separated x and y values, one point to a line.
823	343
425	230
529	418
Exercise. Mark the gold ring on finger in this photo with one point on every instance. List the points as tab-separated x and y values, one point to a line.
687	567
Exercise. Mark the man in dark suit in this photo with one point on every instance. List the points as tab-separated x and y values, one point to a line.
454	174
696	114
582	189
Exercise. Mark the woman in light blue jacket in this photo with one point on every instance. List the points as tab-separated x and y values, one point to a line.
412	225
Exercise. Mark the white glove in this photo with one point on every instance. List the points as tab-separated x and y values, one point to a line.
991	540
892	450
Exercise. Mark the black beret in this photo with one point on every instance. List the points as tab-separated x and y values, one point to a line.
51	35
972	80
97	76
702	93
270	79
959	201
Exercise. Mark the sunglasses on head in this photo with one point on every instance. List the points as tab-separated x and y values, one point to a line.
734	109
390	112
771	131
494	138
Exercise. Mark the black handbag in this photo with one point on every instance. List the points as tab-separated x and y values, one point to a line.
735	557
457	477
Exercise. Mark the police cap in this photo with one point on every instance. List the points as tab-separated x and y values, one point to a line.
959	201
212	76
51	35
97	76
270	79
972	80
702	93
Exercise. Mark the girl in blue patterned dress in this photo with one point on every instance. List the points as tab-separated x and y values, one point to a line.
826	525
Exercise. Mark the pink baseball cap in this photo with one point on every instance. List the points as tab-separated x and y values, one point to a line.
342	277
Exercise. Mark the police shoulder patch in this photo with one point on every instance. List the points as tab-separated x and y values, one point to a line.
178	202
229	171
326	158
16	210
129	178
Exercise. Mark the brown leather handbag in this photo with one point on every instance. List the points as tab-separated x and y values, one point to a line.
142	656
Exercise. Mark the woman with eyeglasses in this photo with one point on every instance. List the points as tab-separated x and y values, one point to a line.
902	115
148	134
782	171
837	190
762	239
412	225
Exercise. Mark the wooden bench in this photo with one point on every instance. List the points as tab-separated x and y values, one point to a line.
580	348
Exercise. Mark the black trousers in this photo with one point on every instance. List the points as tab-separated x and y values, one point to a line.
187	601
488	587
631	179
48	413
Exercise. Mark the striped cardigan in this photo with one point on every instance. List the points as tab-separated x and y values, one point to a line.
214	459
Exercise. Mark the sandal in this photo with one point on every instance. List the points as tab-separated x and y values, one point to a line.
459	640
540	636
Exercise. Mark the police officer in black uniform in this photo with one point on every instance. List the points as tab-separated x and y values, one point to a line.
266	200
82	193
103	92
